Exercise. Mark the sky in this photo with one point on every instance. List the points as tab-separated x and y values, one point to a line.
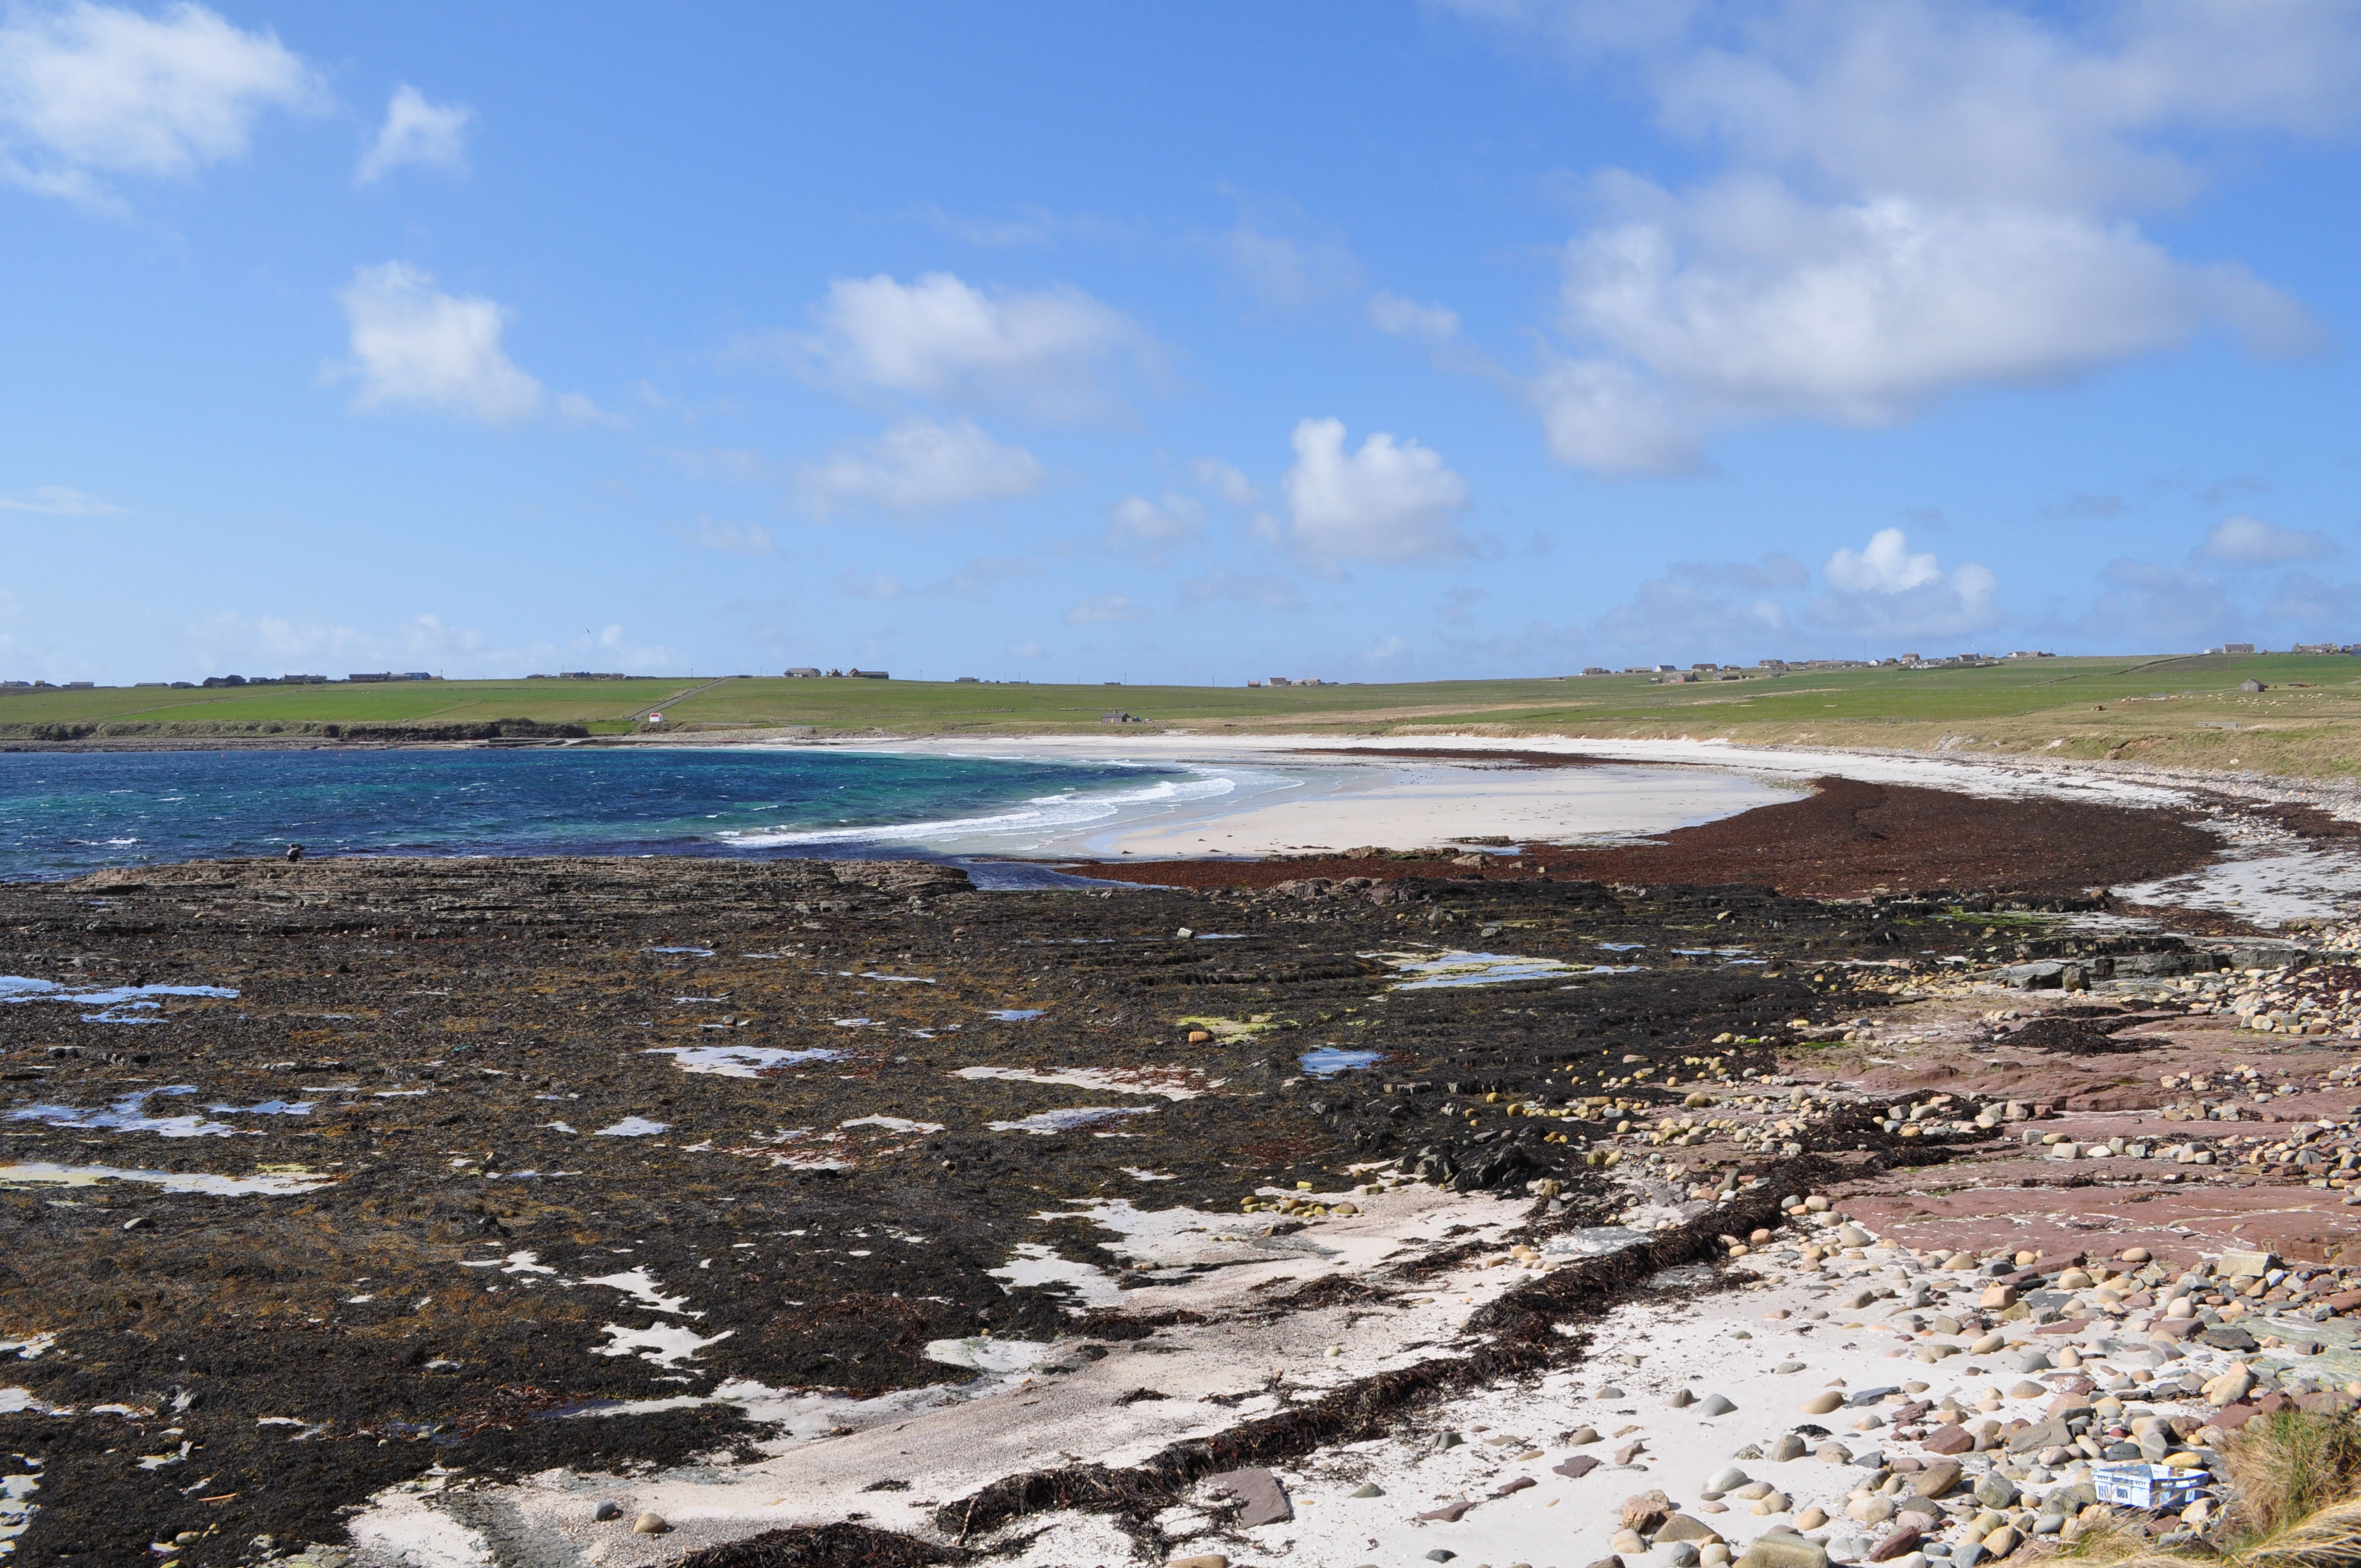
1167	343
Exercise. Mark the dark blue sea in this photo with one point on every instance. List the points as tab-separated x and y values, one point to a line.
62	814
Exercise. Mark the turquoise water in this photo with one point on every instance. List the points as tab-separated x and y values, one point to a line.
62	814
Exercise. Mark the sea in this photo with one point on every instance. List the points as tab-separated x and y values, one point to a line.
65	814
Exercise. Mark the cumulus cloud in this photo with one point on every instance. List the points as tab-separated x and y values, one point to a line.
1430	324
2251	541
1914	199
61	501
1221	585
417	134
1226	482
919	467
1745	302
728	538
1153	527
1054	354
1389	503
1887	590
415	345
1287	274
1102	609
89	92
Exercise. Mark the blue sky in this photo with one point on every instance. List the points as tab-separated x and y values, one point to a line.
1165	343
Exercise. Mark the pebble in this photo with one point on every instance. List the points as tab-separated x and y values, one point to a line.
1368	1489
608	1511
650	1523
1789	1446
1823	1402
1728	1478
1715	1405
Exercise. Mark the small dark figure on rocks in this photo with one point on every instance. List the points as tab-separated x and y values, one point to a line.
294	852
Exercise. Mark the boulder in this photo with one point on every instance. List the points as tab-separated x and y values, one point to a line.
1681	1527
1715	1405
1824	1402
1645	1510
1902	1541
2041	1434
1950	1440
1789	1446
1781	1550
1937	1478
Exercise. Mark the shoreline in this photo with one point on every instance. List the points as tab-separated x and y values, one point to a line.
816	1196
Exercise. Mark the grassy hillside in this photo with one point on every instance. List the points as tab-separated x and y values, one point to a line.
2181	711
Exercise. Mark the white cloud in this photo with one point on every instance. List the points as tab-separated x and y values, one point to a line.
1388	655
1152	527
1885	566
920	466
870	585
1744	302
728	538
1286	274
1432	325
1226	482
1029	649
90	91
576	408
1916	198
414	346
1055	354
1261	591
61	501
2251	541
1102	609
417	132
1391	502
1885	590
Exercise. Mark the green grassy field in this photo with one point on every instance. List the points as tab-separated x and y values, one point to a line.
2182	711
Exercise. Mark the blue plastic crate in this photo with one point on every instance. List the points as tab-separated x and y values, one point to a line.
2156	1487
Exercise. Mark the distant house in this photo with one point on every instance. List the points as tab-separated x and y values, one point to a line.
1118	716
1597	670
803	673
2251	685
869	675
1253	686
968	680
2237	647
1279	681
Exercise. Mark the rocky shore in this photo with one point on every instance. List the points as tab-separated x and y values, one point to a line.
642	1211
